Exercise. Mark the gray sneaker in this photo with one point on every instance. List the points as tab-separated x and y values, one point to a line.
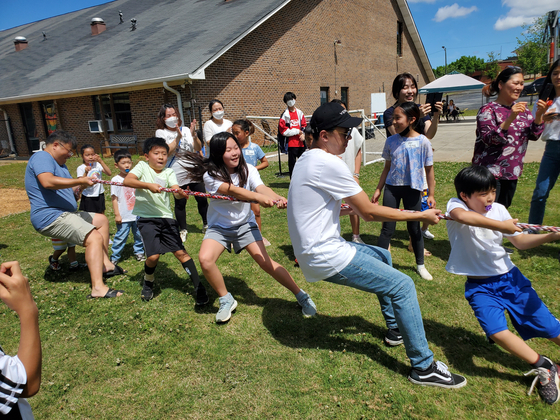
548	382
227	306
308	307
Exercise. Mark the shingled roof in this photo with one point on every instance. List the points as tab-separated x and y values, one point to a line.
174	40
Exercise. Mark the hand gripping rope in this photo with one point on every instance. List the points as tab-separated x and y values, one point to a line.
534	228
186	193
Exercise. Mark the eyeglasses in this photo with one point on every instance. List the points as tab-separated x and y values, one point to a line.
346	134
70	152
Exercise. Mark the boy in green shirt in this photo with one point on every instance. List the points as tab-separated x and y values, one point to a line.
160	231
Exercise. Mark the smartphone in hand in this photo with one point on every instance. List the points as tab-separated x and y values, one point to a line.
432	98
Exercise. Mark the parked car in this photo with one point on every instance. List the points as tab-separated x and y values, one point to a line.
534	87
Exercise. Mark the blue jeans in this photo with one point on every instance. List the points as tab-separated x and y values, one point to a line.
548	174
119	241
371	270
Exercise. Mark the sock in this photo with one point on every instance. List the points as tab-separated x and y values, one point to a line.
420	266
543	362
149	272
190	268
74	264
355	236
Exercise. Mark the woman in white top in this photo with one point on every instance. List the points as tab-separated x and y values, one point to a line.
181	140
550	163
216	124
320	182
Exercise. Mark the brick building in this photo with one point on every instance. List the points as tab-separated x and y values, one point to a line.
247	53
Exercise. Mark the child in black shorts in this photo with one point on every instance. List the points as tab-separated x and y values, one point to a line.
160	231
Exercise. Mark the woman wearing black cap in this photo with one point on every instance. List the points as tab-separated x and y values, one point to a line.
322	182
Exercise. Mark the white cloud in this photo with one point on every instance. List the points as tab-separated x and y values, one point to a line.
523	12
453	11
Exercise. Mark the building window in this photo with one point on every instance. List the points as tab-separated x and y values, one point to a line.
115	107
344	96
399	38
324	95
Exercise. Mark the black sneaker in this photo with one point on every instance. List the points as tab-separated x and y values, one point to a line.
548	382
201	296
393	337
54	264
147	290
437	375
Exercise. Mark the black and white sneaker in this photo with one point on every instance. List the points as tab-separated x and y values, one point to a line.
548	382
201	295
393	337
437	375
147	291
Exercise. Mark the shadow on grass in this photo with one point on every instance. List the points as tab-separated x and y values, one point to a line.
323	331
2	246
285	184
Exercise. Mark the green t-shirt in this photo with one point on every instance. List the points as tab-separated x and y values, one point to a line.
147	203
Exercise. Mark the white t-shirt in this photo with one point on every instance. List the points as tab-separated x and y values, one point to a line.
211	128
319	183
186	144
12	380
551	129
354	146
96	170
477	251
125	199
228	214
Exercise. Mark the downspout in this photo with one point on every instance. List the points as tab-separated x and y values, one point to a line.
9	130
179	101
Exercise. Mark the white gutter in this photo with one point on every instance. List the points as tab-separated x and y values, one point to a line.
179	101
9	131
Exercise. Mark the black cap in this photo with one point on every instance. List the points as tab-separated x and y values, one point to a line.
331	115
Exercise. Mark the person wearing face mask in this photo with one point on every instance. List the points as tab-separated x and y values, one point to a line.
180	140
291	125
216	124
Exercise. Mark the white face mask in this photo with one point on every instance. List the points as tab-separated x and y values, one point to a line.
291	102
218	115
171	122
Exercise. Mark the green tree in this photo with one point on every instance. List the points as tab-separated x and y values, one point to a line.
465	65
531	48
492	68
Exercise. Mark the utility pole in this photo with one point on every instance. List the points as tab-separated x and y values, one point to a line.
445	49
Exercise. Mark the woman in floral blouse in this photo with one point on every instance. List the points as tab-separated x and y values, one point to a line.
503	129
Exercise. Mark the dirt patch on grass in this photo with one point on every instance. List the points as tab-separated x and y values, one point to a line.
13	201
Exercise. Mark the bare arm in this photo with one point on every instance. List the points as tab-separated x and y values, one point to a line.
115	202
430	128
263	164
196	141
431	180
51	182
15	292
245	195
531	241
472	218
358	162
106	169
281	201
381	184
132	181
374	213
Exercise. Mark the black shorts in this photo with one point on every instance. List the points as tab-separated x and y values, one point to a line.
160	235
93	204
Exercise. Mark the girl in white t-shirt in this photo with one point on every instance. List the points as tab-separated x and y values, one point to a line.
181	139
233	223
216	124
93	198
406	155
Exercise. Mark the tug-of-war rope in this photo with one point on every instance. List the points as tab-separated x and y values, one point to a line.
534	228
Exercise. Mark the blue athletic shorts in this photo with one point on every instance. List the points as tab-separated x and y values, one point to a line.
512	292
424	204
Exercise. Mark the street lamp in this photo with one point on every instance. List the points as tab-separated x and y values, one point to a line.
445	49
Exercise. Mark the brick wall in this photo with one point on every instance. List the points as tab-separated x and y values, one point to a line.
293	51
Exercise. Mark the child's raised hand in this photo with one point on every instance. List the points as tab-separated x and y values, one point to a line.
14	288
510	226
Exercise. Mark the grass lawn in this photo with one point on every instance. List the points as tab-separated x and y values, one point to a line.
127	359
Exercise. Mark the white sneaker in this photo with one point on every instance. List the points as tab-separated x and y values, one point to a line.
183	234
424	273
308	307
227	306
357	240
427	234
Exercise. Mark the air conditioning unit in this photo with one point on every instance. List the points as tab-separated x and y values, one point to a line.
96	126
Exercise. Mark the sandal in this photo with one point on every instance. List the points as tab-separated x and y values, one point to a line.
111	293
114	272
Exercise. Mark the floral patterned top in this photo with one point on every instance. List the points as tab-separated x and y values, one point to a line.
502	151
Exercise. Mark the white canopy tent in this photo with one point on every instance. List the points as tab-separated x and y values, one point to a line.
453	82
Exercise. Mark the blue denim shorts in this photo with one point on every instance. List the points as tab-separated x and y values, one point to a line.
512	292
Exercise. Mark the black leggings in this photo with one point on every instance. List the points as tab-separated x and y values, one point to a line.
505	190
180	204
412	200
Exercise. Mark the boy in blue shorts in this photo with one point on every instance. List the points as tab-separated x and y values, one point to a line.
159	230
494	284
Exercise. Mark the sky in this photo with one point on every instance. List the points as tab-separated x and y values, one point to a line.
464	27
